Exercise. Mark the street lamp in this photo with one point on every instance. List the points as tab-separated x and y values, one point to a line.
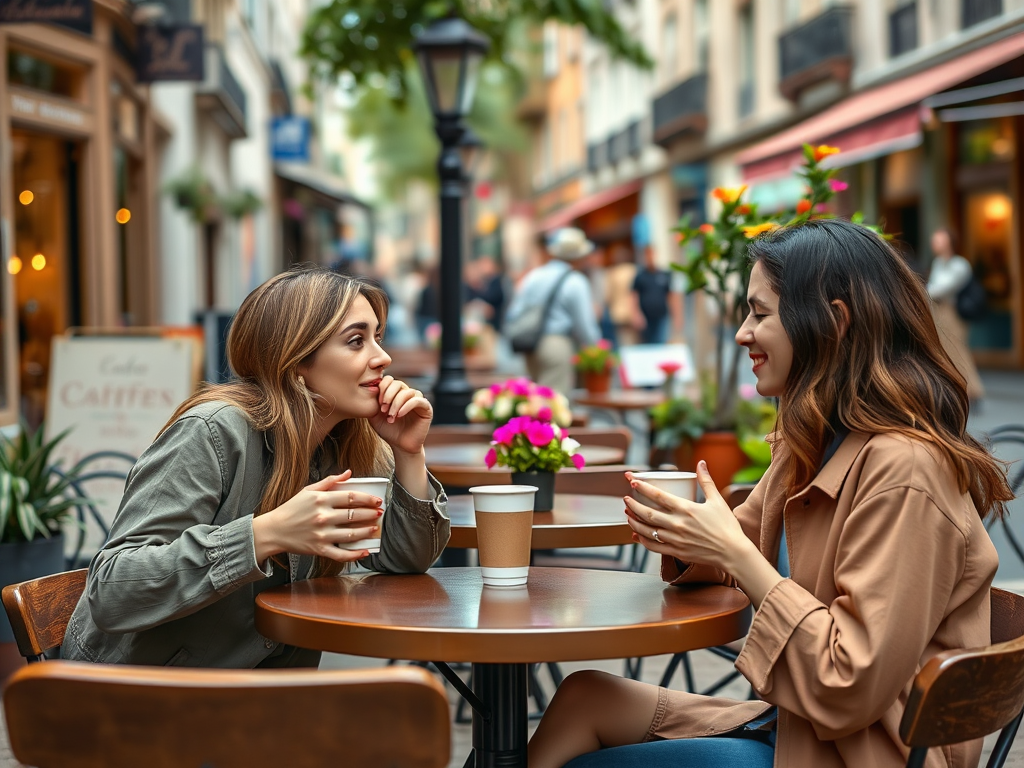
449	53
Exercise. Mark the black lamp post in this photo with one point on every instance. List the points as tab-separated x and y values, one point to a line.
450	52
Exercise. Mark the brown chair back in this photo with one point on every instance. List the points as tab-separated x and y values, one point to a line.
455	434
66	714
610	437
39	610
737	493
961	695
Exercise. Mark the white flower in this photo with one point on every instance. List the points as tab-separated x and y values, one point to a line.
569	445
474	412
502	408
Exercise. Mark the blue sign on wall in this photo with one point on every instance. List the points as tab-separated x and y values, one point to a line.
289	138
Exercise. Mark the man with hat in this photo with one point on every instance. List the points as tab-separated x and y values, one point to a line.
570	323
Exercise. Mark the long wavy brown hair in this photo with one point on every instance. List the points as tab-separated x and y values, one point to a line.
887	373
279	326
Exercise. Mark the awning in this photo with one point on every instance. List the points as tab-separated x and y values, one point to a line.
319	181
876	121
565	216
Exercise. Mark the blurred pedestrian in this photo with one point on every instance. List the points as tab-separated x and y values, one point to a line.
428	303
657	306
949	274
485	285
618	296
570	324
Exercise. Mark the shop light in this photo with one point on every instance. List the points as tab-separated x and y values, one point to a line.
14	265
997	208
123	216
38	262
26	197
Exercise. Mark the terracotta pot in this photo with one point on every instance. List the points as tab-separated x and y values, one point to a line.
721	451
596	383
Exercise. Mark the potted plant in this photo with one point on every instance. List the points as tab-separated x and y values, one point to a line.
715	261
194	193
518	397
534	450
595	364
240	204
36	500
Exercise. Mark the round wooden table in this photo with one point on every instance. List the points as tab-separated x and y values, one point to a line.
575	521
471	454
447	615
622	399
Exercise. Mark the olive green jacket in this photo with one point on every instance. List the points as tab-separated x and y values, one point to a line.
177	580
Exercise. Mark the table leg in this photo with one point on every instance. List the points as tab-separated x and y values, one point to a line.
499	741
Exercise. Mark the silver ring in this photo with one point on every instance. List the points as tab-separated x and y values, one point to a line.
654	533
350	515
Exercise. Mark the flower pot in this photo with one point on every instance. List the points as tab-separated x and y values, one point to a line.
721	451
21	561
544	499
596	383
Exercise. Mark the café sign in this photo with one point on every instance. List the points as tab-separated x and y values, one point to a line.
74	14
170	52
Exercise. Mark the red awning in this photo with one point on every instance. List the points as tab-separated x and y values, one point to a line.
567	215
876	121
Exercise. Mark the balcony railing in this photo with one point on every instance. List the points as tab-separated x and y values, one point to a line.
681	109
221	95
595	156
976	11
618	145
903	30
633	138
821	49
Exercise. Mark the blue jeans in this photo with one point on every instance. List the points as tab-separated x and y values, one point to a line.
714	752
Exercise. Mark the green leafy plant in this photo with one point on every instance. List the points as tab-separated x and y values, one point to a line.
598	358
241	203
755	418
677	420
36	496
193	192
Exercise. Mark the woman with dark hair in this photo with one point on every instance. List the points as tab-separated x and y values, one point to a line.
874	503
238	493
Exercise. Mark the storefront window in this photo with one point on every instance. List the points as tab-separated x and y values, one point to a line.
6	332
986	141
44	259
29	71
988	225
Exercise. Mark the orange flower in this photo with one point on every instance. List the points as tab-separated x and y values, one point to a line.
743	210
758	229
706	229
824	150
680	238
803	206
728	194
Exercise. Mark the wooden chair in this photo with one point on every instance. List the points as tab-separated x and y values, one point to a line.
455	434
39	610
66	714
964	695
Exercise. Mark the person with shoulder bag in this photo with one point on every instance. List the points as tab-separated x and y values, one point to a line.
950	278
551	315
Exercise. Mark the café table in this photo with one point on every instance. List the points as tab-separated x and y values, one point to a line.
447	615
577	520
471	454
620	402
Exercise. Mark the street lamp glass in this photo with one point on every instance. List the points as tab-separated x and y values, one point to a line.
449	54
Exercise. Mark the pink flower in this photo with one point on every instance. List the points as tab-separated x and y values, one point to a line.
545	392
578	461
544	413
748	391
491	458
496	389
503	435
519	388
604	344
837	185
539	433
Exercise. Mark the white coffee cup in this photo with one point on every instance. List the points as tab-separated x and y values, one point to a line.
682	484
375	486
504	530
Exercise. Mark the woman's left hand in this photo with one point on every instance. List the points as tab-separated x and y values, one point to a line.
404	417
707	534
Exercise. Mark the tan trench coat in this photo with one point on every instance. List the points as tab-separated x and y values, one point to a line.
890	565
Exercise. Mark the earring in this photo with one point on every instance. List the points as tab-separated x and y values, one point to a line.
302	381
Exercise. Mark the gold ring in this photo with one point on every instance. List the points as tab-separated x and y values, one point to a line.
654	533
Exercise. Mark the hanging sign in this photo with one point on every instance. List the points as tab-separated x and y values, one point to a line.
74	14
170	52
289	138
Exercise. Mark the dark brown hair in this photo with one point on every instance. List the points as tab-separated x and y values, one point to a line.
280	325
886	373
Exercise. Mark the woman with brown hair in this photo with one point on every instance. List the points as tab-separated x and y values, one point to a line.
873	503
239	491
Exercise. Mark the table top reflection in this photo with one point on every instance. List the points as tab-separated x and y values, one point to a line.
575	521
562	614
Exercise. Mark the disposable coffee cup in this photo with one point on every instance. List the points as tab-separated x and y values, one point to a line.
375	486
504	529
682	484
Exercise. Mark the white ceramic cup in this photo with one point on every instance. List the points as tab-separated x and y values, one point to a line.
375	486
682	484
504	530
